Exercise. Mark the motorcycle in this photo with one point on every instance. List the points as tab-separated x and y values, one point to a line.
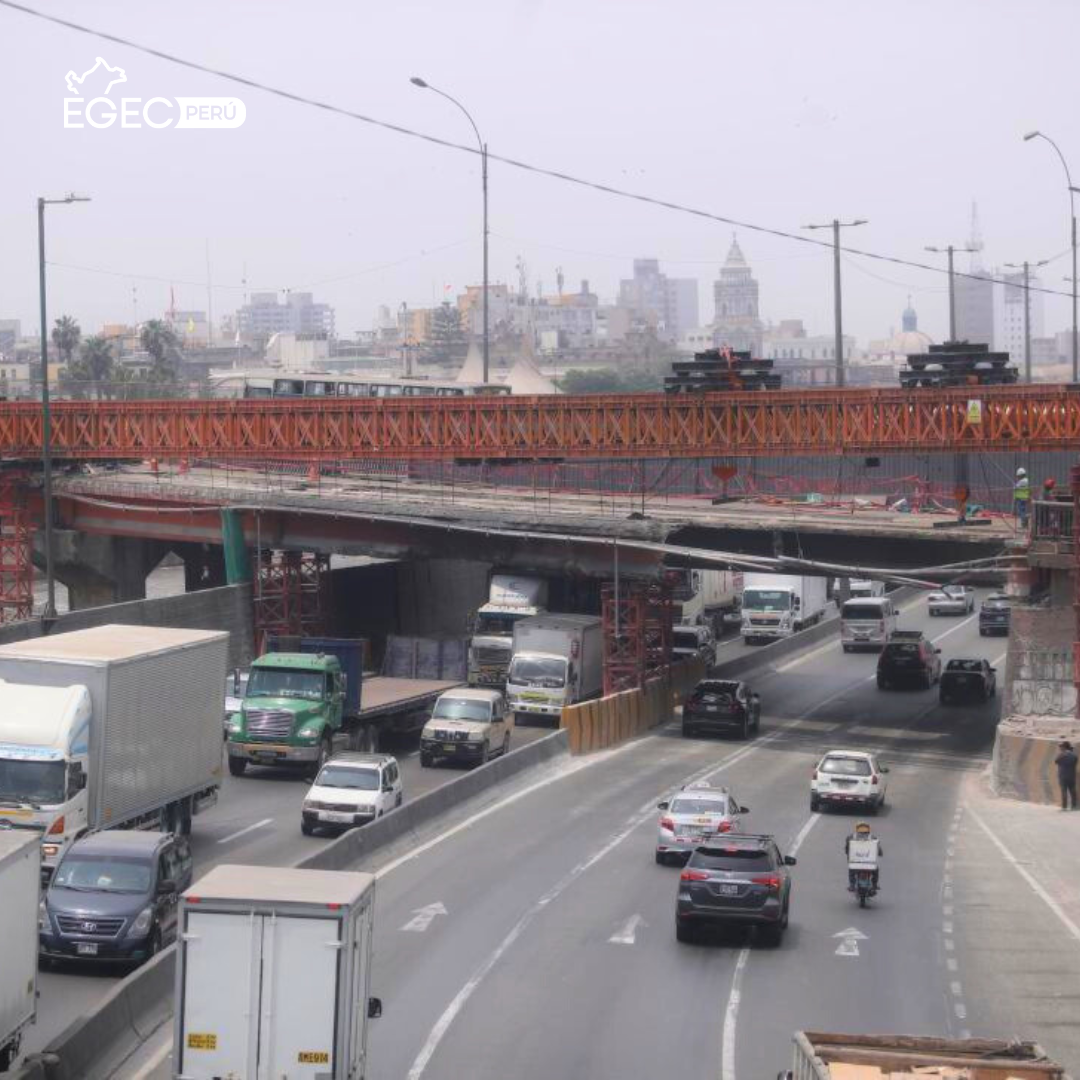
864	885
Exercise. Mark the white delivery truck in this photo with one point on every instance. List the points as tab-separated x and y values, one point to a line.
558	660
273	973
706	597
20	887
107	727
779	605
511	597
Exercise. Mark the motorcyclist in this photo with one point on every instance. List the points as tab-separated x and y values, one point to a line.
862	832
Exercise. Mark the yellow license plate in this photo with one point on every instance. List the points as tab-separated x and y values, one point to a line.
16	813
265	748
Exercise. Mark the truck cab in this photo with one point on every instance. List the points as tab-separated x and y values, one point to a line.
293	709
44	760
510	599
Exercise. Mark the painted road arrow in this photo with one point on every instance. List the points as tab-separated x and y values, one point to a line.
849	946
424	917
626	934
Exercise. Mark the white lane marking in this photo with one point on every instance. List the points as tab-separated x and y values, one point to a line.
152	1065
423	917
628	931
849	946
803	833
949	944
947	910
951	964
1033	882
961	1012
956	989
946	928
442	1025
731	1017
246	830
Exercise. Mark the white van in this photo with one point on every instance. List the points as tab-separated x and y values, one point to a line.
867	623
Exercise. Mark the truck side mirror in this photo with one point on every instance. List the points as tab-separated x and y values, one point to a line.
374	1008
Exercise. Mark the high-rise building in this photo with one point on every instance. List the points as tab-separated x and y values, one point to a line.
1009	309
670	305
264	316
974	293
737	319
10	332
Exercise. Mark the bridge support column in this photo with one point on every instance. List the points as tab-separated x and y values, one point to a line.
99	570
204	566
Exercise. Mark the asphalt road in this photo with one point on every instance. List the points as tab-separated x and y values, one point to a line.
256	821
557	955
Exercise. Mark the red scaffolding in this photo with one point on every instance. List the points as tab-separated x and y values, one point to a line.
289	594
16	563
637	632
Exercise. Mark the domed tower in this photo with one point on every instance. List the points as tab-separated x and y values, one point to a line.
736	322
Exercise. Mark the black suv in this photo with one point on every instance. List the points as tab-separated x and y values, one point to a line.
114	896
908	657
720	705
740	879
994	615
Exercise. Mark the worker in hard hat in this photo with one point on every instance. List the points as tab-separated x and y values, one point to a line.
1022	497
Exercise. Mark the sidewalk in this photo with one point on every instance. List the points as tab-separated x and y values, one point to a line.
1012	910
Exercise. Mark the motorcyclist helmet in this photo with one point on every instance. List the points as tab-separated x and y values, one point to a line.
862	829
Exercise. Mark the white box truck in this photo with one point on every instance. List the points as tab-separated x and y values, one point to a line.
511	597
705	597
779	605
273	973
20	887
558	660
112	726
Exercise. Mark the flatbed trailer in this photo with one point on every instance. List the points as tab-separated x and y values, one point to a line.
829	1056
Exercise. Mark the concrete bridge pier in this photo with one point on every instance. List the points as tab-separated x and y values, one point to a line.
100	570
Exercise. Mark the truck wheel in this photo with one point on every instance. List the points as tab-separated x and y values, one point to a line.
325	750
306	829
426	760
237	766
506	744
485	754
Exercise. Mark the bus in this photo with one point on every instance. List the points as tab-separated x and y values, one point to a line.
326	384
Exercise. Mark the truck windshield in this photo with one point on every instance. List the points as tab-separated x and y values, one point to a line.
39	783
102	875
497	623
685	639
285	682
538	671
345	776
766	600
461	709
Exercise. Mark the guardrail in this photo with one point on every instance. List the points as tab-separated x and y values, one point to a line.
1053	521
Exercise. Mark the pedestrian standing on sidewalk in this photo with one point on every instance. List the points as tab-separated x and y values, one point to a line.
1066	767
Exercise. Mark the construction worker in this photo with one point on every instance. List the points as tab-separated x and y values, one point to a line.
1022	497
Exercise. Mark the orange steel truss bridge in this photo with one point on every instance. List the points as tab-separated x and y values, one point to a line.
759	424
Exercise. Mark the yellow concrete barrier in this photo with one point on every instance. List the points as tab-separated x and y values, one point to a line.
1023	768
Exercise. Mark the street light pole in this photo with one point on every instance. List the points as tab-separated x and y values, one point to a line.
1025	267
836	225
417	81
49	614
949	250
1072	214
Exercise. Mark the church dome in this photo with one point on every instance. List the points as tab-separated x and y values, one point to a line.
910	342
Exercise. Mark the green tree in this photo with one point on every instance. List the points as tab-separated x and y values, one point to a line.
447	341
610	381
65	337
160	341
94	367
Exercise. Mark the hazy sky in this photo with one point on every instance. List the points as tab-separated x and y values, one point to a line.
774	112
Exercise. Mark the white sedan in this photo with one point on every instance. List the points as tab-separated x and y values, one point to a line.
852	778
952	600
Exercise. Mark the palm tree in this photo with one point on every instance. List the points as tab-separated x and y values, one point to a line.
160	341
65	337
96	363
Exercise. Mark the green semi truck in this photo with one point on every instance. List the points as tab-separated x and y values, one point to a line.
299	708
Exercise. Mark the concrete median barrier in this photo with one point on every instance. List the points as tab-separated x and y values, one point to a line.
1023	763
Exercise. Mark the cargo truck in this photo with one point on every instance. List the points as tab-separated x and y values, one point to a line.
779	605
20	888
273	973
301	707
558	660
706	597
827	1056
112	727
511	598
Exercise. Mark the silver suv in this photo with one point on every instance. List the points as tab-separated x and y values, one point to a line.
466	725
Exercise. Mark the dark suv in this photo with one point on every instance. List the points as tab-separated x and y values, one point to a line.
995	615
720	705
908	657
114	897
740	879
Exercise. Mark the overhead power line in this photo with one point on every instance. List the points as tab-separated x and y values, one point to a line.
555	174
